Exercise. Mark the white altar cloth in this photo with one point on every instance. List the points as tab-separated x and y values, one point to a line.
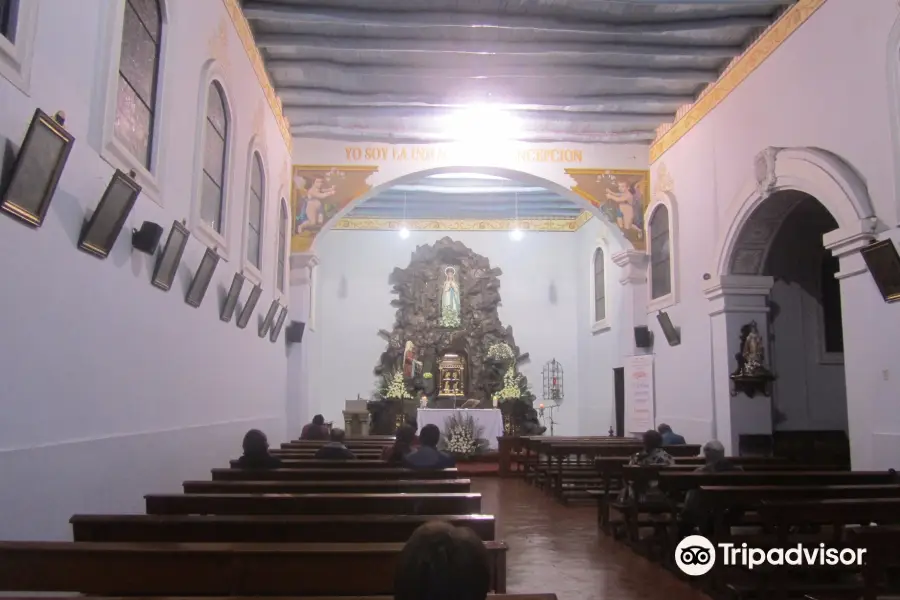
489	419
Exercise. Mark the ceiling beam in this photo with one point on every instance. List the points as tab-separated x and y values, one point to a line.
312	44
430	117
297	97
411	137
424	20
322	70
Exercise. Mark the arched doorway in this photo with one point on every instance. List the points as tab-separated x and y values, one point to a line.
783	239
789	230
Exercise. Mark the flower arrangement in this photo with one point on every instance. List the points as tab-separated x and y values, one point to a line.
396	388
462	436
450	317
427	375
501	351
512	389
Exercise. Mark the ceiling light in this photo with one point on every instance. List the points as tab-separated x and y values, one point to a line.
404	232
483	123
516	234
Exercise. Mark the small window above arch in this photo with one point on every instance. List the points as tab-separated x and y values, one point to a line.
598	302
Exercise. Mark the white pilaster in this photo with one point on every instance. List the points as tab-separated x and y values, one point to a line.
736	300
633	277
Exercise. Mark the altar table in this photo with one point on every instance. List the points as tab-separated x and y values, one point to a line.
490	420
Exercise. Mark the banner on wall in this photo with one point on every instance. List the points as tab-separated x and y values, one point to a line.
639	396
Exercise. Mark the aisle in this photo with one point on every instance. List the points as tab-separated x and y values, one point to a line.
553	548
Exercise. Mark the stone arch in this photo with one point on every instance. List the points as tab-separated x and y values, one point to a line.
753	222
514	174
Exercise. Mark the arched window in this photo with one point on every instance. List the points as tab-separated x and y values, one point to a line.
215	142
599	286
255	212
282	244
660	255
7	19
138	74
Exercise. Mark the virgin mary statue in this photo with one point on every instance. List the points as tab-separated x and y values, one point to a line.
450	299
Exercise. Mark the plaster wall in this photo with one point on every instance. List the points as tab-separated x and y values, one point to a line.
112	387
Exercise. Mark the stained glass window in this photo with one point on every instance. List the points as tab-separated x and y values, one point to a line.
215	142
138	74
254	213
660	257
282	243
599	285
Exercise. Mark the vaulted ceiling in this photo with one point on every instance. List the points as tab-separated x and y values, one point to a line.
569	70
465	196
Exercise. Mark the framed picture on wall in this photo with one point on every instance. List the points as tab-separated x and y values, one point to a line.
884	264
168	261
37	169
249	307
202	277
100	232
279	323
231	299
270	318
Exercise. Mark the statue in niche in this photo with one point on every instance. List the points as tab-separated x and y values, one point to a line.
450	309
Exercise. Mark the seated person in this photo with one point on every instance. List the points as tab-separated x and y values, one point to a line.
315	430
693	515
669	437
335	449
428	456
530	424
442	562
401	447
651	456
256	452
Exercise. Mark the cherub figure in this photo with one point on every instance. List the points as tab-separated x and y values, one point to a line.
311	215
629	213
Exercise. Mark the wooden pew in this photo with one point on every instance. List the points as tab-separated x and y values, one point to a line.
881	545
209	569
490	597
679	483
364	486
330	474
310	454
318	504
312	463
265	528
353	445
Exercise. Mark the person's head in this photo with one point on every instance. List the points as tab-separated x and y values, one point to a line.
663	428
318	420
430	435
337	435
255	442
713	451
652	440
442	562
405	435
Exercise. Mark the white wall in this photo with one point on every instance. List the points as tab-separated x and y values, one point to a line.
113	388
827	87
538	289
810	391
599	349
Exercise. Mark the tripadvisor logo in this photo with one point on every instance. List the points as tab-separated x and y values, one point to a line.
695	555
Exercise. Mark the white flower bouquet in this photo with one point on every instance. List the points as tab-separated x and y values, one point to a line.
462	436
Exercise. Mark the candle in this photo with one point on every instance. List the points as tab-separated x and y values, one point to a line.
541	406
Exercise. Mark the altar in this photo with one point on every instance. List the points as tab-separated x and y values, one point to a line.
489	419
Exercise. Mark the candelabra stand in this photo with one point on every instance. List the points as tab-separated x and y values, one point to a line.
549	410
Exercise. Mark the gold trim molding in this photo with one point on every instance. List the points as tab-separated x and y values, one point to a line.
246	36
755	55
551	225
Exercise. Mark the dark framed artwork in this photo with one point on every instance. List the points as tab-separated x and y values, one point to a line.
249	307
672	333
200	282
231	299
279	323
884	265
37	169
99	234
270	317
167	262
